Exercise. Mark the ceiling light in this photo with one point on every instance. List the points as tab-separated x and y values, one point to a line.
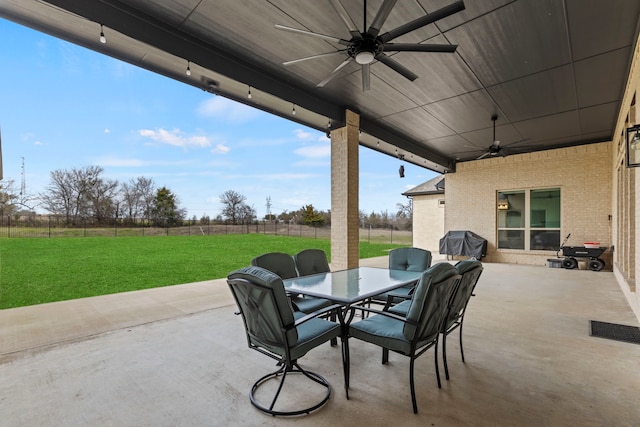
103	39
365	57
188	72
293	111
249	93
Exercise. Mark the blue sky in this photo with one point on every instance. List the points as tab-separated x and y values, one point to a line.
63	106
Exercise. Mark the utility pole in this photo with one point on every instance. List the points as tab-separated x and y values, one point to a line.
269	207
23	182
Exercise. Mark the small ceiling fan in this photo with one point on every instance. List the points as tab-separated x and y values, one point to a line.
368	46
495	149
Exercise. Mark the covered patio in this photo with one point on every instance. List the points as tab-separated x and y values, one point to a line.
178	356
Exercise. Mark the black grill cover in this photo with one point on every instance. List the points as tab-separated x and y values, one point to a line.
465	243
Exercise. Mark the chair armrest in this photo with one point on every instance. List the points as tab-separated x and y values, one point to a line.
381	312
334	307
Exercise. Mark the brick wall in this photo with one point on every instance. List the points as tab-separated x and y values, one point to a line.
583	174
428	221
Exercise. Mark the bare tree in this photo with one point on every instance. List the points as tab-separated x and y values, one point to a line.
233	205
8	197
137	198
59	196
78	192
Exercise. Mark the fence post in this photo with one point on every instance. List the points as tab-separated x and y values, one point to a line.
392	234
49	225
8	225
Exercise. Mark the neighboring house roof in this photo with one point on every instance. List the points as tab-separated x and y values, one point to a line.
433	186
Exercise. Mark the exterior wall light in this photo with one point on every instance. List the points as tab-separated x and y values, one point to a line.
633	146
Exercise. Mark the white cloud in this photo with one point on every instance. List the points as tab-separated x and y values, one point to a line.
37	143
120	162
226	109
107	130
303	134
221	149
175	137
314	151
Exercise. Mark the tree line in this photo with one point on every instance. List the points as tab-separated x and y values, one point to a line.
83	193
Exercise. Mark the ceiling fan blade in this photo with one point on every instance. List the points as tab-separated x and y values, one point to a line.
488	153
321	55
334	72
309	33
422	21
346	18
396	66
516	142
416	47
366	77
381	17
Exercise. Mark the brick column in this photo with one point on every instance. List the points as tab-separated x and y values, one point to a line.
345	233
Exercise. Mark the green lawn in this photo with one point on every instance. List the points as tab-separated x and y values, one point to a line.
35	271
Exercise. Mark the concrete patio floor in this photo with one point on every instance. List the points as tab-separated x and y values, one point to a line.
177	356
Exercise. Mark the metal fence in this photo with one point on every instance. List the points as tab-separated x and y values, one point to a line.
41	226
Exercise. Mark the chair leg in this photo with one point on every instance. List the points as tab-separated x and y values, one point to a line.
444	355
412	385
437	368
461	350
286	368
385	356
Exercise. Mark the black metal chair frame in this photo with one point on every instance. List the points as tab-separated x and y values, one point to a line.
416	352
286	362
450	325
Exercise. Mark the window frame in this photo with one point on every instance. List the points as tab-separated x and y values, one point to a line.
526	229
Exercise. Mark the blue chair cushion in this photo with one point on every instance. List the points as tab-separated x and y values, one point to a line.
383	331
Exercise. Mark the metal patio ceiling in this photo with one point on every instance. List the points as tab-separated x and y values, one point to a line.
553	71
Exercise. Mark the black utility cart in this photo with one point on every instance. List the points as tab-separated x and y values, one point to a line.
570	254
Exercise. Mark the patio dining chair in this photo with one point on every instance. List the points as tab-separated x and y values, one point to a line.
284	266
311	261
470	271
416	332
408	259
273	329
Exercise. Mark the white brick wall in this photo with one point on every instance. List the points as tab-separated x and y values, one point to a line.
582	173
428	221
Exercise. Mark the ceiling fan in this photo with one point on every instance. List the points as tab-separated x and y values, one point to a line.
495	149
368	46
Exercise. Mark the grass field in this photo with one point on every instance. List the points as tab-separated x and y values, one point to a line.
36	271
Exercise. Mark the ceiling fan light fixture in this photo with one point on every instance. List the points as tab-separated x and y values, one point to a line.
365	57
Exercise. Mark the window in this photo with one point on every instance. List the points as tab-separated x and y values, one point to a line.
529	219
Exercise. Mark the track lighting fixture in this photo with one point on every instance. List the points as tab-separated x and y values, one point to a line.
103	39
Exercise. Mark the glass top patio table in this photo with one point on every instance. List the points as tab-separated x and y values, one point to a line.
352	285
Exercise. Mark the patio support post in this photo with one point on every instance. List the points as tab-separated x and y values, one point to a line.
345	234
